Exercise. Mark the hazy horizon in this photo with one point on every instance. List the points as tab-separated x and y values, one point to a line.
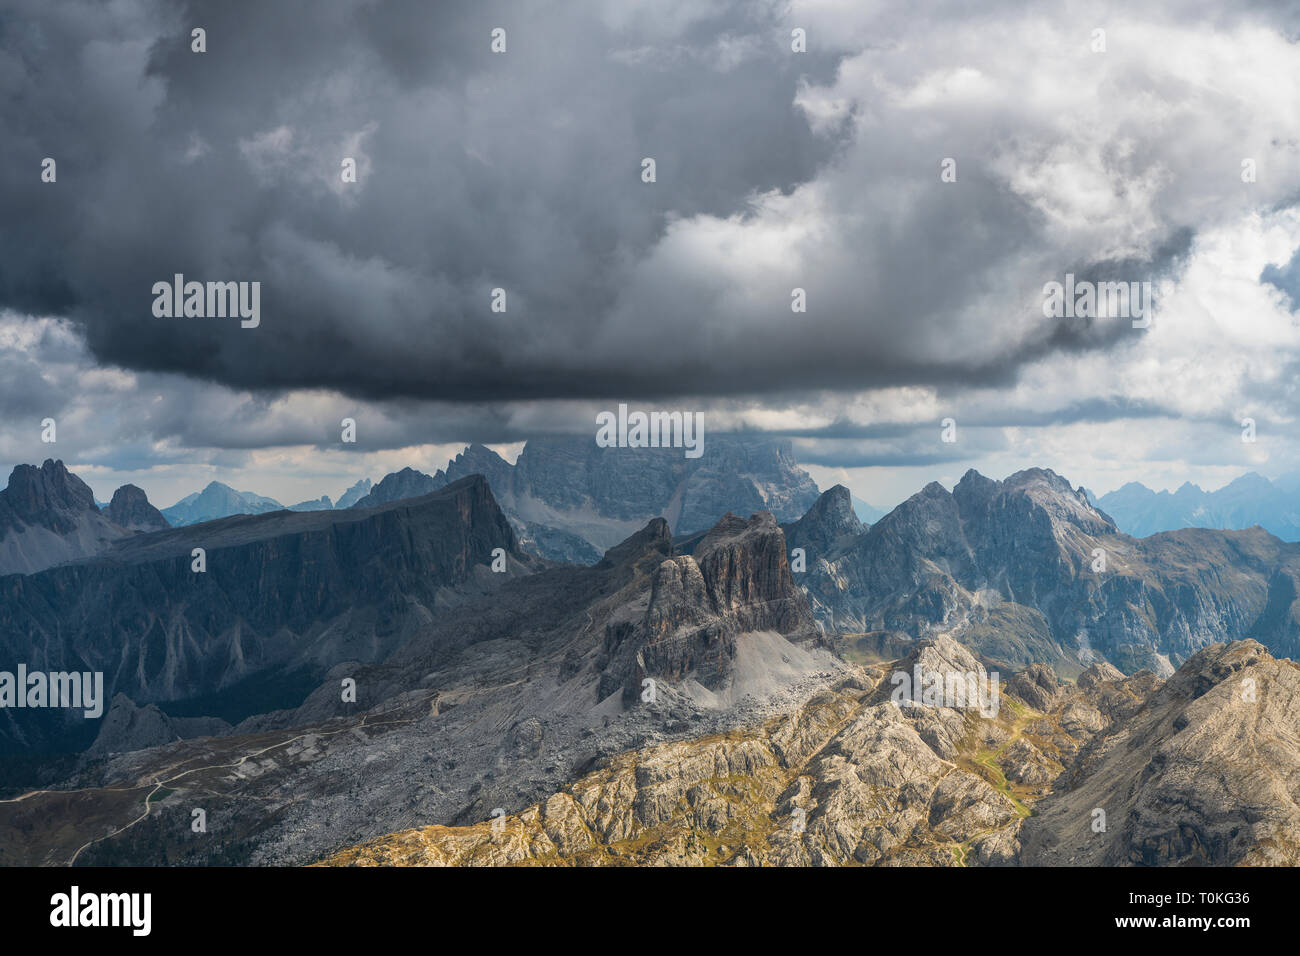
300	488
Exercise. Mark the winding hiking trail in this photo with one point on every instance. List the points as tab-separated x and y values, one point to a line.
159	784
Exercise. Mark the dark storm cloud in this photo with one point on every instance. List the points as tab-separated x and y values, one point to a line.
479	170
982	415
522	171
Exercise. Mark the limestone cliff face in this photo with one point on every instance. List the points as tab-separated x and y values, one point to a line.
737	580
748	577
282	594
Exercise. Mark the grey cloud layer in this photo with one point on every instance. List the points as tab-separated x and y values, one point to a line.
519	170
522	171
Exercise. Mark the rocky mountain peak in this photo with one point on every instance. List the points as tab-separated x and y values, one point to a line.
654	538
407	483
217	500
354	494
47	516
941	654
828	525
1100	672
937	656
974	492
1033	475
131	509
478	458
974	484
1035	496
747	574
729	526
1038	686
50	496
1213	665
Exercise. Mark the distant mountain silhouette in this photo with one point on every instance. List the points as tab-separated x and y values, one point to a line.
218	500
48	516
1248	501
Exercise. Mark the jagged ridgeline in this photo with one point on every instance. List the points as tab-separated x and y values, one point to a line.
1109	771
488	677
571	500
1028	570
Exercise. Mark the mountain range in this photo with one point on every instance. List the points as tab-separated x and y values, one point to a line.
567	499
1248	501
372	684
281	599
570	499
1027	570
664	706
219	500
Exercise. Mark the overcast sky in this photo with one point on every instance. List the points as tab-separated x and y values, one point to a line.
775	170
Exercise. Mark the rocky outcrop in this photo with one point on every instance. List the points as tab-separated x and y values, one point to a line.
1039	687
737	581
130	509
851	778
1205	773
127	727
